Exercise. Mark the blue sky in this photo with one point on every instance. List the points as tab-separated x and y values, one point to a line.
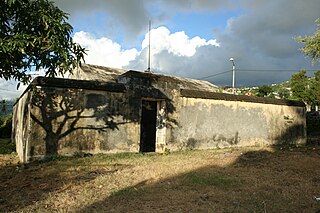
195	38
203	24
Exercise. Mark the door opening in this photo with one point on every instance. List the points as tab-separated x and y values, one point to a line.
148	126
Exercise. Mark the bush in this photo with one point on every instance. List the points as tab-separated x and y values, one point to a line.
7	146
5	126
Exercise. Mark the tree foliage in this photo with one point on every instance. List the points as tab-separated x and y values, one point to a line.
5	126
283	93
299	85
34	34
311	44
264	91
306	89
315	89
3	106
5	121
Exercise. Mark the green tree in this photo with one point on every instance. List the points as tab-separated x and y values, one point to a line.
283	93
311	44
264	91
5	126
300	86
317	75
314	98
306	89
4	107
34	34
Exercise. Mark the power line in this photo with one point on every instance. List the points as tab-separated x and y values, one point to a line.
254	70
269	70
209	76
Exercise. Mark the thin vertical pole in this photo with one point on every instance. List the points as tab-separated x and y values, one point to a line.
149	55
233	75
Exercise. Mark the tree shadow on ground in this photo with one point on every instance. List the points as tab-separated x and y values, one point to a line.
22	185
282	180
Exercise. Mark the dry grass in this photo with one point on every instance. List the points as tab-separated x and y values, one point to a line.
242	180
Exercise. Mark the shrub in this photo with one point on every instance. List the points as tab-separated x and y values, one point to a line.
5	126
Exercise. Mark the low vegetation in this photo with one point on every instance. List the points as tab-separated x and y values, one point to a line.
6	146
5	126
299	87
279	179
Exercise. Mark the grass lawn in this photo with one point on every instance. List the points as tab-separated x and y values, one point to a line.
226	180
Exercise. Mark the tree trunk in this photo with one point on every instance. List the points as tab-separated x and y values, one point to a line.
51	144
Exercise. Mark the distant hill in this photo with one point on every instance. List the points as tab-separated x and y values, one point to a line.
278	91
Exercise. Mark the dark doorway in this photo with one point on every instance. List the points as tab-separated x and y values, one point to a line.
148	126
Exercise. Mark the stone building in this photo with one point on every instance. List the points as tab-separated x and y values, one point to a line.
103	110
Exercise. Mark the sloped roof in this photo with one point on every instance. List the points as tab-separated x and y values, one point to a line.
107	74
182	83
96	73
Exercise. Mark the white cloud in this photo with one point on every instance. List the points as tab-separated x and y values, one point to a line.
177	43
258	34
8	89
170	52
103	51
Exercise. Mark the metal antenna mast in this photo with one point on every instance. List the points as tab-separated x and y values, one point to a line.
149	49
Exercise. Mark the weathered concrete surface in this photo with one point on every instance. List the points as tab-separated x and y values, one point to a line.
207	123
64	121
21	126
65	116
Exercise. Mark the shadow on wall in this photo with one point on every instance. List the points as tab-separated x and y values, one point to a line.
65	111
146	86
295	132
62	111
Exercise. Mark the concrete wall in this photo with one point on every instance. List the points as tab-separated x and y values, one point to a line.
63	116
21	126
73	120
208	123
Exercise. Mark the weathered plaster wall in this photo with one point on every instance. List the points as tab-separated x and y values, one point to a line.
65	120
207	123
21	126
63	116
67	116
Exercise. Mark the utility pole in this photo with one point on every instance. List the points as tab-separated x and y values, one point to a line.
233	74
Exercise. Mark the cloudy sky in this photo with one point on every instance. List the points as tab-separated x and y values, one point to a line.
195	39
